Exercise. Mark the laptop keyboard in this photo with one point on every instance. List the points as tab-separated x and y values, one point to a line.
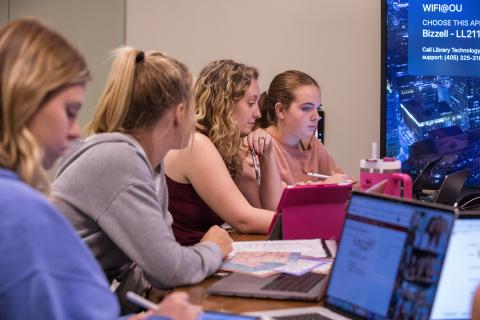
288	282
307	316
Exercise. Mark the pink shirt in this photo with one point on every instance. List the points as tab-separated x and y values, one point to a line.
294	163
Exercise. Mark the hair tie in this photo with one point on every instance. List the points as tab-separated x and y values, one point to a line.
140	57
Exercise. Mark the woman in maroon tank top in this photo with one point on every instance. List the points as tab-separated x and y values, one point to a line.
200	177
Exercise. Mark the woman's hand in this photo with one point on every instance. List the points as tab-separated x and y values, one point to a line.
175	306
260	141
220	237
337	178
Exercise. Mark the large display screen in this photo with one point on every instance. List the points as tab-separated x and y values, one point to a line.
431	94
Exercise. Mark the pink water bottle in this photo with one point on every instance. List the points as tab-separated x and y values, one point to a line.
387	171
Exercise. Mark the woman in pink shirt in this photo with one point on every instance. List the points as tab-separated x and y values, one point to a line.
290	115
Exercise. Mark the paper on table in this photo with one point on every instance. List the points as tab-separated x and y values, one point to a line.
332	247
325	267
232	267
299	267
308	248
259	257
258	261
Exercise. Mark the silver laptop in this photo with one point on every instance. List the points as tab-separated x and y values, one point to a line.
307	287
388	261
460	274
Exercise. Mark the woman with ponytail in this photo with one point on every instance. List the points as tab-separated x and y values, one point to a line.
112	186
290	115
46	272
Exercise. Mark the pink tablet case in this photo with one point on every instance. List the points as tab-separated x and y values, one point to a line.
313	211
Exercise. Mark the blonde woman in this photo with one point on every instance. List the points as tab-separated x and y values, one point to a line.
112	186
46	272
200	178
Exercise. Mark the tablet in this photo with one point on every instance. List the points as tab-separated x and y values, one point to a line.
311	211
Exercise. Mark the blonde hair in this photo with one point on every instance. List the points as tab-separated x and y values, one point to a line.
281	90
35	64
138	91
220	86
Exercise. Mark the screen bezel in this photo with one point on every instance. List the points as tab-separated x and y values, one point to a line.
428	184
383	78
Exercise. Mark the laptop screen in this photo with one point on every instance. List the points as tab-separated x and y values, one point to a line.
389	258
460	274
451	187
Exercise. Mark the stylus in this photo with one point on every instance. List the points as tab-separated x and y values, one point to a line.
317	175
323	176
255	166
140	301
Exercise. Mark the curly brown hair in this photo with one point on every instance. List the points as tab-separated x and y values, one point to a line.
219	87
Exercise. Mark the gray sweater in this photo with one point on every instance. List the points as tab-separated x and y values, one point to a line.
119	205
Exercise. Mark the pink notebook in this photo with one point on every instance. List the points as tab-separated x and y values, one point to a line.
311	211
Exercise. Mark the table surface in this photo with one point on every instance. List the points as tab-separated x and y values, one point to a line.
198	293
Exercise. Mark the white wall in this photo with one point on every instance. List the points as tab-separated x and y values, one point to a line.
3	12
337	42
95	27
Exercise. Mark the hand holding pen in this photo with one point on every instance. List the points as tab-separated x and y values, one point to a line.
175	306
259	143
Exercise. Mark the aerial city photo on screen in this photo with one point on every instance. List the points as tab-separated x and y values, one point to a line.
432	87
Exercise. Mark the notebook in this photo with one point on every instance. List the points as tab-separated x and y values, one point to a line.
310	212
460	274
388	261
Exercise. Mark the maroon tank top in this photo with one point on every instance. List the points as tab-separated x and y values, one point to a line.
192	217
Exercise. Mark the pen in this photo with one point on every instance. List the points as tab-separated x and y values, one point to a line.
147	304
323	176
255	165
140	301
317	175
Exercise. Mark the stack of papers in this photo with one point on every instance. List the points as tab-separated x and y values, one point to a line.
264	258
